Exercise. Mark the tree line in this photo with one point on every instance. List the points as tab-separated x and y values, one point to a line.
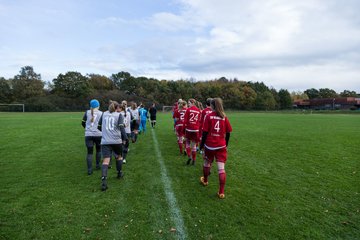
72	91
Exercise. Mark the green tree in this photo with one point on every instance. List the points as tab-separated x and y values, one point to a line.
285	99
265	101
312	93
27	84
231	96
5	91
119	79
100	82
276	98
348	93
247	98
72	84
327	93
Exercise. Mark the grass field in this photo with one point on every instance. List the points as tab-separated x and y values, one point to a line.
289	176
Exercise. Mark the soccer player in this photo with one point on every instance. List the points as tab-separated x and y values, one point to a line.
143	118
152	111
179	117
215	139
92	134
204	112
174	109
113	135
134	122
191	125
127	121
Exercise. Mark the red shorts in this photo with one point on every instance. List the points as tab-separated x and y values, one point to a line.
192	136
180	131
220	155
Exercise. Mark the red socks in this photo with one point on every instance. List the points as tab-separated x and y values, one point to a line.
222	180
206	171
181	147
193	155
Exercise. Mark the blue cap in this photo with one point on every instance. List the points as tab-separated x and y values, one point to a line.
94	103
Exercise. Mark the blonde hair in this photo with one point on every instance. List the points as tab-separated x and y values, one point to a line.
199	105
123	107
192	101
182	105
113	105
217	105
92	115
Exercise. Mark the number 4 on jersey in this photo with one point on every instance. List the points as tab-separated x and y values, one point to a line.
217	126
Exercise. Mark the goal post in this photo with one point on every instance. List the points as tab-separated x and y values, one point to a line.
12	107
167	108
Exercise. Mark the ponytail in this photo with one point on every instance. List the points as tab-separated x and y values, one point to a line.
113	105
92	115
217	105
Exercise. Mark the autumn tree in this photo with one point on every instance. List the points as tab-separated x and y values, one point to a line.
100	82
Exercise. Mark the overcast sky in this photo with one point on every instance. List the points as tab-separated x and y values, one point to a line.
288	44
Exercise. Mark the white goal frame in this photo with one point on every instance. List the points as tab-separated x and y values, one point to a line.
14	104
167	107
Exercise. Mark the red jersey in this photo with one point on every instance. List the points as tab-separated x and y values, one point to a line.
192	119
204	112
179	115
216	127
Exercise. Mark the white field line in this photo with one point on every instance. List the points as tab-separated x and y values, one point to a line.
174	209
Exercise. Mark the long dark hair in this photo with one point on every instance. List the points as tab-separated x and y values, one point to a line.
217	105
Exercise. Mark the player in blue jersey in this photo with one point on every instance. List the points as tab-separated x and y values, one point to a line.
113	136
143	118
92	134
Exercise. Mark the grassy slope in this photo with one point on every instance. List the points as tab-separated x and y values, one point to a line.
289	176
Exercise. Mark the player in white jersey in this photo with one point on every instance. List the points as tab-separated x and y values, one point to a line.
113	136
127	121
92	134
134	122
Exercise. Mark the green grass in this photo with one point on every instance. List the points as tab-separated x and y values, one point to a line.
289	176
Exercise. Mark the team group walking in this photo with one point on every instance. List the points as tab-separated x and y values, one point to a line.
199	131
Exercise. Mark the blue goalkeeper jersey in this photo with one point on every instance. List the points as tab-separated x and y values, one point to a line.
143	114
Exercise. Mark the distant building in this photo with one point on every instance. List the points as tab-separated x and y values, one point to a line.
328	103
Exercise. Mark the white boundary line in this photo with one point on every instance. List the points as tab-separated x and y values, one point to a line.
170	197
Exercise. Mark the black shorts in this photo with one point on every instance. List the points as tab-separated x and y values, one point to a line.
153	118
134	125
108	149
90	141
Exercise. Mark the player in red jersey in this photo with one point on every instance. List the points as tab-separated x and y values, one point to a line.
179	118
204	112
192	125
215	139
174	109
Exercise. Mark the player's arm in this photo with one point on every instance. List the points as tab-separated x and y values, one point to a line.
83	123
205	132
186	116
122	128
228	130
100	122
227	138
203	139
